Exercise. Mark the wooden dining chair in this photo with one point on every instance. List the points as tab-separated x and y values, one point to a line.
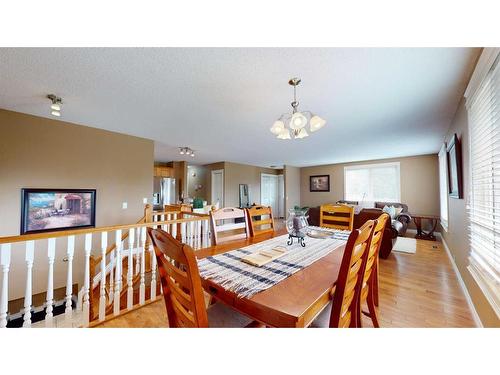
369	288
220	228
344	309
182	290
257	224
336	216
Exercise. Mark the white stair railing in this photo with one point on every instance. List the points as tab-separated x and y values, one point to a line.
130	251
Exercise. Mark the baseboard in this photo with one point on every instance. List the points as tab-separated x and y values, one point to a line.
475	315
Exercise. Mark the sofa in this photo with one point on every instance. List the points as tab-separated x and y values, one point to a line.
396	227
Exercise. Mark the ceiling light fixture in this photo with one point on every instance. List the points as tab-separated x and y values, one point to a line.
186	151
293	125
56	105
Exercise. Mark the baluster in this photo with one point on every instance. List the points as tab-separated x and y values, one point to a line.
169	226
137	252
153	271
130	279
183	232
112	266
142	287
118	272
5	250
209	233
102	298
86	281
50	284
174	227
68	312
30	255
163	226
191	233
199	233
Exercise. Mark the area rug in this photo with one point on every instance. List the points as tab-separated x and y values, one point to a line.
405	245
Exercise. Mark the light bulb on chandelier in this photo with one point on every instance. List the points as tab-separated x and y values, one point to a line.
293	125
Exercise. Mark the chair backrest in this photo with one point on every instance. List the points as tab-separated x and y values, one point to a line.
180	281
372	258
336	216
237	230
259	225
346	293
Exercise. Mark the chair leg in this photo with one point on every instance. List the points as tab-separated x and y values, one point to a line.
370	301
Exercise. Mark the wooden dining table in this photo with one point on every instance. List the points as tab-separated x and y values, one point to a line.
294	301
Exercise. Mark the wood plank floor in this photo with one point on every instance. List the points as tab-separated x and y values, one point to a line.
416	290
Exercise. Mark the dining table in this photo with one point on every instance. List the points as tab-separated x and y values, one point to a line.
292	302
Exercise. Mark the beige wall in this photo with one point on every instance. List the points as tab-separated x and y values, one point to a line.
292	187
419	183
199	178
456	237
43	153
236	174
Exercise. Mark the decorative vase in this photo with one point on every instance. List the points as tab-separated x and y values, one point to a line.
296	224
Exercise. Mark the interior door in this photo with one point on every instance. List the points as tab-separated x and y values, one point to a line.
269	191
281	196
218	188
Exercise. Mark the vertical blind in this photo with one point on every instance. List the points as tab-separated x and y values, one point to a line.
484	127
443	188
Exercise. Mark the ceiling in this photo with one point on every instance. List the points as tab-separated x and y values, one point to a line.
221	102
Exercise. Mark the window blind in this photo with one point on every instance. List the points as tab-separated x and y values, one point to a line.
374	182
443	188
484	212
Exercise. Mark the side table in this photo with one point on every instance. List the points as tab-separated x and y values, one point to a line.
421	234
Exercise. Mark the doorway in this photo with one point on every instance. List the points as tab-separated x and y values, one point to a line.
269	191
217	188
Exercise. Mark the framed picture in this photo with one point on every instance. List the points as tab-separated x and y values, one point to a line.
319	183
46	210
454	159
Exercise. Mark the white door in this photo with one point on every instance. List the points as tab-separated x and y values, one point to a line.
269	191
218	188
281	196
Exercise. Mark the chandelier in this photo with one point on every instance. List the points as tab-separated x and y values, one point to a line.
293	125
186	151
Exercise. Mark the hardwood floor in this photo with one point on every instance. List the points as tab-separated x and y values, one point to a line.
416	290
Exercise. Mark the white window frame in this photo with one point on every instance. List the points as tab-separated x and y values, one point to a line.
485	282
373	166
443	187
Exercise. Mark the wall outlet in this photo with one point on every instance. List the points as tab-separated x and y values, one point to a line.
145	200
124	205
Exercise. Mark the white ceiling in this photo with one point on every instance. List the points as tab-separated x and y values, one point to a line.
221	102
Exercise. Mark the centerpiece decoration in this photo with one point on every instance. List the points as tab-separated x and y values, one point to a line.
296	224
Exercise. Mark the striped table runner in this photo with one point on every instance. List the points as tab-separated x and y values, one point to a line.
245	280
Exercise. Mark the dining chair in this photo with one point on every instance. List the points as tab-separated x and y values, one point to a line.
336	216
182	290
257	224
224	231
369	287
343	310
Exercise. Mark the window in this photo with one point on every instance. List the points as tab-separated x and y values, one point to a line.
443	188
374	182
484	213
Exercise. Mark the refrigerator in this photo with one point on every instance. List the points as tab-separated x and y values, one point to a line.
163	192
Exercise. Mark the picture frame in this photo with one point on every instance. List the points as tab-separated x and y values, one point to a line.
454	164
47	210
319	183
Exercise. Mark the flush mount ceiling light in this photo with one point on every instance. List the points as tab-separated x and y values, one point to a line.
56	105
293	125
186	151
